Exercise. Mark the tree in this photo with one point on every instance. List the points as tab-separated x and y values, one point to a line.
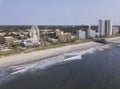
14	45
2	40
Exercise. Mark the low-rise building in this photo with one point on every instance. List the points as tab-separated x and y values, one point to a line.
25	33
92	33
27	42
2	33
9	39
65	37
58	32
81	35
54	41
115	30
97	34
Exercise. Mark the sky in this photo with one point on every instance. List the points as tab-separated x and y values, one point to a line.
58	12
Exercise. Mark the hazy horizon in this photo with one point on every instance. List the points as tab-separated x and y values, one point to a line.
58	12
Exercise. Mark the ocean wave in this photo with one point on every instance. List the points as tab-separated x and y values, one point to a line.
49	62
31	67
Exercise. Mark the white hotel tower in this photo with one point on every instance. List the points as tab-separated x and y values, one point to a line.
108	25
105	27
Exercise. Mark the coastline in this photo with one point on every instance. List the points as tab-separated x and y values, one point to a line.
23	58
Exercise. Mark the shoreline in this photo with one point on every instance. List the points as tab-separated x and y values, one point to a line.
34	56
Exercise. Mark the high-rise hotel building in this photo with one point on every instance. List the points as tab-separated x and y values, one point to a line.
105	27
101	27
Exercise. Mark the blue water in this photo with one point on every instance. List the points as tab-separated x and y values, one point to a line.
97	68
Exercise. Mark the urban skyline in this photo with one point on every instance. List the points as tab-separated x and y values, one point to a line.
58	12
59	44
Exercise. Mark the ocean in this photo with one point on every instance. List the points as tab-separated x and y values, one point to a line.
94	68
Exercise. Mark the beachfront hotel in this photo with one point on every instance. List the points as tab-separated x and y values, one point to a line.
105	27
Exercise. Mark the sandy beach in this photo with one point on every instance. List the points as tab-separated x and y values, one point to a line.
39	55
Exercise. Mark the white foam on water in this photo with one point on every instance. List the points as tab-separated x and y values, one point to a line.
74	58
49	62
37	65
21	69
101	49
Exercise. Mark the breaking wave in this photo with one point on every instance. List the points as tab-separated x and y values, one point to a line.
13	71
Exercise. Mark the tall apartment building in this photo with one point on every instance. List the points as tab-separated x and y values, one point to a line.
108	27
88	32
101	27
105	27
